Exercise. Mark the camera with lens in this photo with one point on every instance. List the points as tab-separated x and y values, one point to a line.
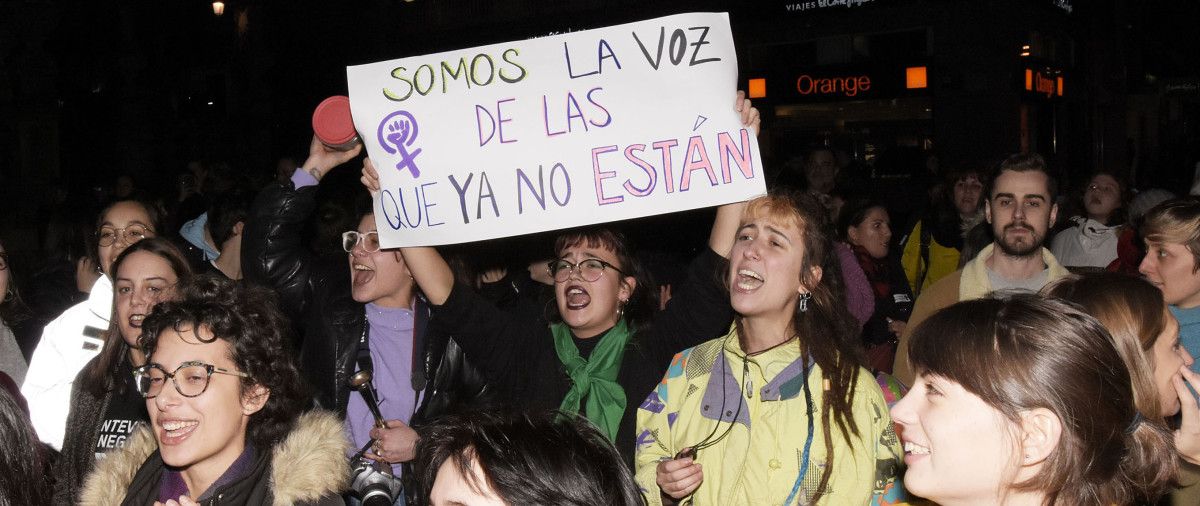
373	482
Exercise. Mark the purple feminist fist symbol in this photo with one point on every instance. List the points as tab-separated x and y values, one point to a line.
397	132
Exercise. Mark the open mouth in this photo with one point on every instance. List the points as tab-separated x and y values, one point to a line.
363	274
173	432
915	449
577	297
748	280
135	320
914	452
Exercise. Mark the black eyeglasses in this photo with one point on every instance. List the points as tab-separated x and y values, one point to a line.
106	236
190	378
590	269
369	240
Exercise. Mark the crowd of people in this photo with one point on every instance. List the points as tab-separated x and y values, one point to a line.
814	351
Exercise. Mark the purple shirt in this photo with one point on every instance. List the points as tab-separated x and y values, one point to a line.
300	178
391	342
171	486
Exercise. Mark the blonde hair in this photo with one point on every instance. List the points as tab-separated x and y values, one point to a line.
1175	221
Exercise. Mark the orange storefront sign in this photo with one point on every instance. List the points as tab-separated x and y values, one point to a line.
848	86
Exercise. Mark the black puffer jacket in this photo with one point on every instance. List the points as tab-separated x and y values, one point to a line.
315	293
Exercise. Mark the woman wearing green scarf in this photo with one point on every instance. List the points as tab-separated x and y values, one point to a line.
607	349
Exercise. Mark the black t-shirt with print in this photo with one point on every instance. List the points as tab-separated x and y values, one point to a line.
126	409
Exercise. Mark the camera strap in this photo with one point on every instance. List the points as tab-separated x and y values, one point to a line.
365	363
364	352
364	349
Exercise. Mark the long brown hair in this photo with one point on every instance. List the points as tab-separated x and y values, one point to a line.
828	333
1134	313
99	373
1027	352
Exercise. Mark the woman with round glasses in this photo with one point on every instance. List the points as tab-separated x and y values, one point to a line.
225	405
105	405
360	311
607	347
75	337
778	411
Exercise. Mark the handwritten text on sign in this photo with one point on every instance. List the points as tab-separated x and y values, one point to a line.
556	132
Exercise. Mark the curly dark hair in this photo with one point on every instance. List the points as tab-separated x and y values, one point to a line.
248	318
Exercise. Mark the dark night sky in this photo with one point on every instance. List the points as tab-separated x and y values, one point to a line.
126	86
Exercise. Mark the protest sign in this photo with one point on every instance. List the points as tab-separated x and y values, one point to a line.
555	132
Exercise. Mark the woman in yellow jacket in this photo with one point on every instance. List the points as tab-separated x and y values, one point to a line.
778	411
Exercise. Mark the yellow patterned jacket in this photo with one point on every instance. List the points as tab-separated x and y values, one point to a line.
713	387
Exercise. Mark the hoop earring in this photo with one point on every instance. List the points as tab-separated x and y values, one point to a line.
621	308
804	298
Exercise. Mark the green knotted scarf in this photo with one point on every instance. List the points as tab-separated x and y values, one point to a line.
595	378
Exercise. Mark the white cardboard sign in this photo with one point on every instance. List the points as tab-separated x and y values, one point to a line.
555	132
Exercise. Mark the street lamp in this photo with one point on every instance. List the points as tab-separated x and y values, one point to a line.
218	7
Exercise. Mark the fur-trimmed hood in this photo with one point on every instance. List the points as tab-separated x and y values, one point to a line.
309	464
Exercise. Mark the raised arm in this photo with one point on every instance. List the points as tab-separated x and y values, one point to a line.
273	252
725	227
431	273
322	158
725	224
428	268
